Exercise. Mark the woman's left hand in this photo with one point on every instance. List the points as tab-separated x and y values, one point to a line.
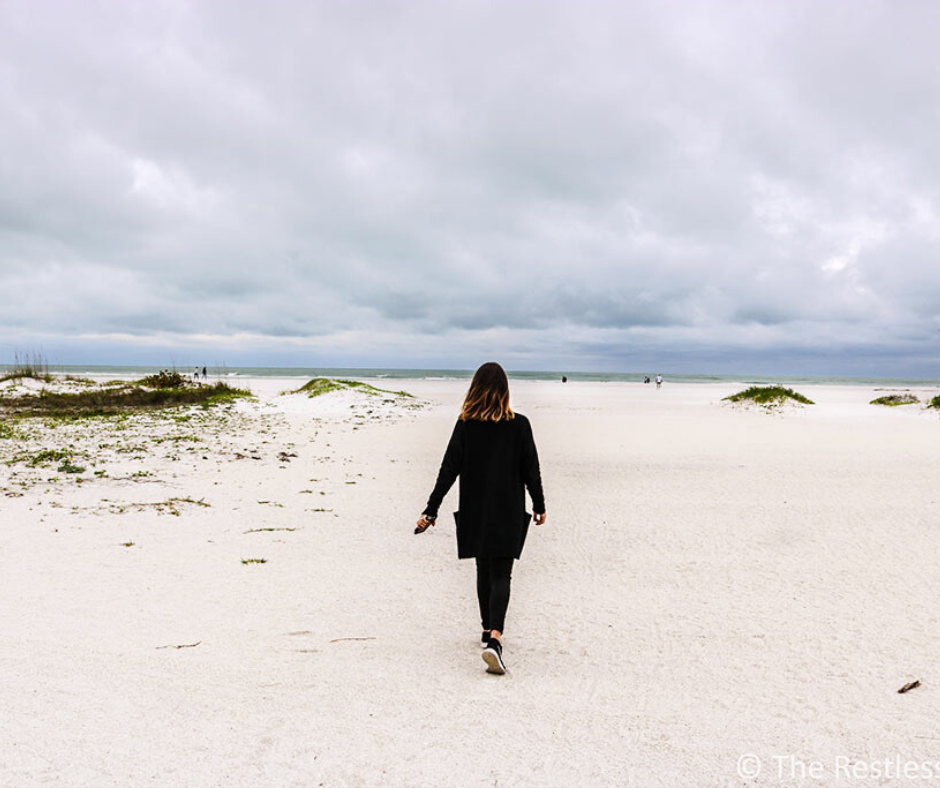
423	524
540	518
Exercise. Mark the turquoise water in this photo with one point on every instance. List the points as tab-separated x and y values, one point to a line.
465	374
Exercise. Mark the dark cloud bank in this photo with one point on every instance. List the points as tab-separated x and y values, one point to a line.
704	187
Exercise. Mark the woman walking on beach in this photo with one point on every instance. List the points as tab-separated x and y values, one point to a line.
493	452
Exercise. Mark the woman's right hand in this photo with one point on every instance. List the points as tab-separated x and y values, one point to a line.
541	518
423	524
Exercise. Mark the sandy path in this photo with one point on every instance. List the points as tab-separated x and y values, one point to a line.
711	582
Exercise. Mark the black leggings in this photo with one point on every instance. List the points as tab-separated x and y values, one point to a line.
493	577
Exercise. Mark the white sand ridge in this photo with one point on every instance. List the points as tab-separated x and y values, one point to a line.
708	584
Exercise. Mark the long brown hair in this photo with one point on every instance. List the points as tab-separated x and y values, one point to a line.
488	396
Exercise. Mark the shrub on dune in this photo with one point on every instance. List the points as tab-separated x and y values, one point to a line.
769	396
319	386
893	400
164	380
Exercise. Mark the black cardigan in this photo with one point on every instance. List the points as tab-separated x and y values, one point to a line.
496	462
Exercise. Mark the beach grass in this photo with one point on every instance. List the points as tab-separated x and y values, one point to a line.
320	386
28	365
16	374
935	402
893	400
112	400
769	396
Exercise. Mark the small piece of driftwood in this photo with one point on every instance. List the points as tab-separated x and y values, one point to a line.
185	645
909	686
337	640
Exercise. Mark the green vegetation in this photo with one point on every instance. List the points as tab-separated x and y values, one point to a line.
164	380
19	375
169	506
6	431
110	400
29	365
769	396
369	389
68	467
132	449
318	386
176	439
935	402
247	561
45	457
893	400
189	499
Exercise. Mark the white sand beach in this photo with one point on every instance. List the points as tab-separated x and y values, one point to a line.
712	582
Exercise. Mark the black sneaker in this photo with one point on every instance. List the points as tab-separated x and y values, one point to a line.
493	657
484	639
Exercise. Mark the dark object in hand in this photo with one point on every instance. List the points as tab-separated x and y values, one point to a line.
421	529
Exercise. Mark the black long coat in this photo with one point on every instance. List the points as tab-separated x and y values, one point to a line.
496	462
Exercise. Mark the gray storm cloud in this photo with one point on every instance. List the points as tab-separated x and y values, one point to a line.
407	183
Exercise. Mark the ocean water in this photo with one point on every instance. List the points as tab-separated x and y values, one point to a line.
466	374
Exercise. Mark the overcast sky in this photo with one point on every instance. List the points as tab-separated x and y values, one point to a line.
688	186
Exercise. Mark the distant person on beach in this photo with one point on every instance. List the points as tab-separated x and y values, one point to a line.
195	373
564	378
659	381
205	374
493	452
646	379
